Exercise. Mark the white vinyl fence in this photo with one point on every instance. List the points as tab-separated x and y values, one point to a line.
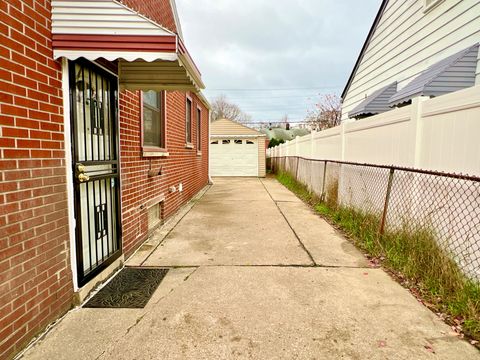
440	134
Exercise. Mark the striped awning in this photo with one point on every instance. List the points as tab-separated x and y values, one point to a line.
149	56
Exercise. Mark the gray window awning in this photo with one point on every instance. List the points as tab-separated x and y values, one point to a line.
453	73
375	103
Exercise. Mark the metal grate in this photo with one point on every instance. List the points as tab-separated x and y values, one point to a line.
401	198
93	98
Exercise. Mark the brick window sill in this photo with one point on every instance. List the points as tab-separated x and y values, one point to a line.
154	152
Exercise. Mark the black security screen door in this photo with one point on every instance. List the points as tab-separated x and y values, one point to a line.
95	167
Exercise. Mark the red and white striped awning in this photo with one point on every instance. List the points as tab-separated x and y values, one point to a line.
150	57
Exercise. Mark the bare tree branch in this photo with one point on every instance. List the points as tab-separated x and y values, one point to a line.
224	109
326	113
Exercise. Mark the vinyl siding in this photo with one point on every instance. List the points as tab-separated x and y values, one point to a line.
408	40
100	17
262	153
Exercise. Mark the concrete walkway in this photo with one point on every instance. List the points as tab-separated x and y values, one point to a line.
256	275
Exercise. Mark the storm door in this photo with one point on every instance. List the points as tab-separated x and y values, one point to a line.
95	166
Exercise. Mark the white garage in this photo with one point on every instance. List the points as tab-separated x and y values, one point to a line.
236	150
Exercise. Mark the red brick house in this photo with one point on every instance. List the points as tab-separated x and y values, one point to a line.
104	133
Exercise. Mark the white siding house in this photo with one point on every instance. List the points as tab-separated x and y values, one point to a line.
410	41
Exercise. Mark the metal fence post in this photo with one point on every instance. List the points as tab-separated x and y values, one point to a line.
322	198
387	200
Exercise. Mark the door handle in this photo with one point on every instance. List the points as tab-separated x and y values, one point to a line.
81	168
83	178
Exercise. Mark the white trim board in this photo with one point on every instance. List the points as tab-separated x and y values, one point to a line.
69	174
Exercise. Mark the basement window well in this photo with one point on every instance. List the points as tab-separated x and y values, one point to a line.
154	217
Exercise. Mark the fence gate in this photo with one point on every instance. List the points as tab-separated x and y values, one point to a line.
95	166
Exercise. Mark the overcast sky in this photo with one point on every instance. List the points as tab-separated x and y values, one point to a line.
273	57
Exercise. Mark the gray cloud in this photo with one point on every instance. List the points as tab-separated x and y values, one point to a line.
275	44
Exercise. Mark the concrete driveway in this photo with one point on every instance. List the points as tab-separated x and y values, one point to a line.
256	275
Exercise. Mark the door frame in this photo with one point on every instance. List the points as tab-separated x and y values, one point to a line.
74	204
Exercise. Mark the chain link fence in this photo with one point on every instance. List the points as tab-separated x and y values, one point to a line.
401	198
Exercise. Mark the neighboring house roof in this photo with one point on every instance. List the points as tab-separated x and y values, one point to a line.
282	134
225	127
365	45
376	103
453	73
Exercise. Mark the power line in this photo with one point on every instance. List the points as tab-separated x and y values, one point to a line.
277	89
279	122
271	97
274	106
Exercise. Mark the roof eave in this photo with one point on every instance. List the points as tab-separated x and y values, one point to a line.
364	48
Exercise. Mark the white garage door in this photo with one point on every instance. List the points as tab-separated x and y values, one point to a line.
234	157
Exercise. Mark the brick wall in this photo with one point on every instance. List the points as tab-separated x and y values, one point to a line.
35	273
181	166
159	11
35	276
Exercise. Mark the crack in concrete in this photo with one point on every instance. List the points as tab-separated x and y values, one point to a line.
136	323
141	317
290	225
188	276
268	265
180	284
103	353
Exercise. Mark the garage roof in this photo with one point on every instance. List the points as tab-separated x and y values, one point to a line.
225	128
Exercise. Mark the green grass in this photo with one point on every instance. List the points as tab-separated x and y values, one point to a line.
298	188
413	256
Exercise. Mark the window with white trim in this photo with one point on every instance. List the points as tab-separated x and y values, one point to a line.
188	122
199	129
153	119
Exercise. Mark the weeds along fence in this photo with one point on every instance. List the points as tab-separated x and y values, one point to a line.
404	199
